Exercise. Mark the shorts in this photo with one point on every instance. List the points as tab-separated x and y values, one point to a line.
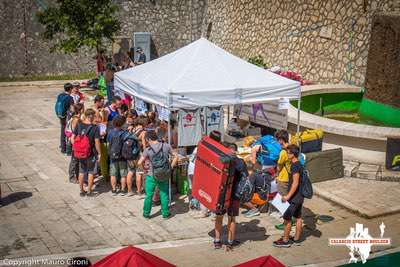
283	188
233	209
294	210
132	165
87	165
118	168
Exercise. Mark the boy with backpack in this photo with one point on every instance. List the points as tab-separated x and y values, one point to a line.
233	209
159	157
86	148
63	103
295	197
118	166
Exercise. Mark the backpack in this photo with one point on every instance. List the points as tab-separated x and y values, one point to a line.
68	128
262	184
160	164
130	147
81	146
244	189
115	145
61	106
305	184
270	149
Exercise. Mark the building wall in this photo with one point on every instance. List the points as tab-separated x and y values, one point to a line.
27	53
172	23
324	40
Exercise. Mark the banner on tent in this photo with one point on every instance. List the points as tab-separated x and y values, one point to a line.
266	114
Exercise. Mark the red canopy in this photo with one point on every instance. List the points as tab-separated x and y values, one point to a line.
132	257
265	261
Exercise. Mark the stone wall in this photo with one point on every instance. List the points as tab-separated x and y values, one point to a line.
172	23
383	69
27	53
324	40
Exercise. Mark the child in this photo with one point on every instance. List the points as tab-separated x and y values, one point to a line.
118	166
295	199
233	210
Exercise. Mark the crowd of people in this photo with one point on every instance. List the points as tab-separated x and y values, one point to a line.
109	140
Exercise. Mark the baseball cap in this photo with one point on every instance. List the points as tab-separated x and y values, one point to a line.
76	84
139	49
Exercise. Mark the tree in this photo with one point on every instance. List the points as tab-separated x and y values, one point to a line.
74	24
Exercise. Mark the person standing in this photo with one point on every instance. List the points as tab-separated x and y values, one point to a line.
113	109
73	169
233	209
295	199
63	104
161	160
100	62
86	148
283	166
109	79
118	165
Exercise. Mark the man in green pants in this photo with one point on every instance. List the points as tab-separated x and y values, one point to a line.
161	160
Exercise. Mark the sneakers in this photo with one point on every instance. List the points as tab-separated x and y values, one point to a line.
122	192
82	193
231	244
90	194
217	244
167	216
130	194
294	242
252	213
139	196
282	244
114	192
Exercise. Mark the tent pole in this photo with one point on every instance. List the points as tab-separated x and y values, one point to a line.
298	120
169	142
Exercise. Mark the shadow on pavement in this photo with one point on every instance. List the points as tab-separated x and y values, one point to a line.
14	197
245	231
310	224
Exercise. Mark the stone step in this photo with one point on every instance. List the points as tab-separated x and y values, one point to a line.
369	171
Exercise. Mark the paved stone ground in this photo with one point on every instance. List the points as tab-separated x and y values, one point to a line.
43	213
369	198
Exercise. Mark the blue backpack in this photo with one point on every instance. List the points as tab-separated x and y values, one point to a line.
270	149
61	106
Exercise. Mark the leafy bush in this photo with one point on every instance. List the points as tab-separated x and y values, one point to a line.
258	61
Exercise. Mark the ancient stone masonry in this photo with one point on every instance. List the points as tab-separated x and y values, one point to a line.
172	23
22	51
325	41
383	70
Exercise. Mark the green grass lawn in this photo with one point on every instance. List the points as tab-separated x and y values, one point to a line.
78	76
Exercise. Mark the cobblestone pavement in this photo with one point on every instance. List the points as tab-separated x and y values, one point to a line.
42	212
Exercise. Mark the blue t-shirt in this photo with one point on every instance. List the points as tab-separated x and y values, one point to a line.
142	58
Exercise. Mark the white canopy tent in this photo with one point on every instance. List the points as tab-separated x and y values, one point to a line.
202	74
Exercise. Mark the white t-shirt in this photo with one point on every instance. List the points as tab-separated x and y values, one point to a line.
189	127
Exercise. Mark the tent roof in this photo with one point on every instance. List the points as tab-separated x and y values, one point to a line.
132	257
203	74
